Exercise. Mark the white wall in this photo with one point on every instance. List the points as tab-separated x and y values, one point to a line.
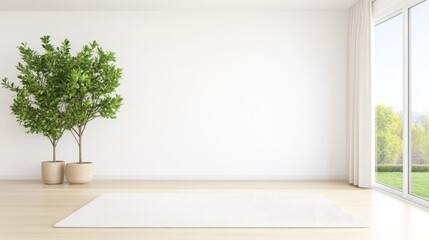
206	94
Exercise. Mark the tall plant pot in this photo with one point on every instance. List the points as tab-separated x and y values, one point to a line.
78	173
53	172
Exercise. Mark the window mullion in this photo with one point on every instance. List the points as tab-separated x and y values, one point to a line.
406	107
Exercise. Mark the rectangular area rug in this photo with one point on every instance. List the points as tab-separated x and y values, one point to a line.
210	210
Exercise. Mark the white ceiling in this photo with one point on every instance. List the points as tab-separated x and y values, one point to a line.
173	5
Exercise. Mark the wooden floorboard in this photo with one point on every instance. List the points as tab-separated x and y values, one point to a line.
28	209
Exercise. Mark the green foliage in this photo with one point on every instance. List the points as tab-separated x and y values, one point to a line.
39	104
420	168
398	168
388	136
92	84
90	89
420	143
60	91
389	168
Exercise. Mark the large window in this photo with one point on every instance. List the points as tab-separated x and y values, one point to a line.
419	98
401	101
388	98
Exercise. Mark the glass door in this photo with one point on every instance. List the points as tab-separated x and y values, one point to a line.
401	101
388	102
419	99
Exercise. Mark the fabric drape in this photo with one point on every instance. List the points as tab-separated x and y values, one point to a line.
359	96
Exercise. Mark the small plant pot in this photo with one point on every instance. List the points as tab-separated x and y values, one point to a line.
53	172
78	173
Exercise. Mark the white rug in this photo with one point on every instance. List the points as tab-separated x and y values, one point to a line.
209	210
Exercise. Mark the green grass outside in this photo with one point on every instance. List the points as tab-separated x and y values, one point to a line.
419	182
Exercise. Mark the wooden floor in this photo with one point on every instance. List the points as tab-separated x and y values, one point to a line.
28	209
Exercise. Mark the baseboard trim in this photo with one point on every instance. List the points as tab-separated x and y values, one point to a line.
20	177
223	177
193	177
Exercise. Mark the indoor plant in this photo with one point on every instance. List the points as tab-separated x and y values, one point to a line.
90	93
38	104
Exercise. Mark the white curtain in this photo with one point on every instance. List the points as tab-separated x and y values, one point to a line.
359	96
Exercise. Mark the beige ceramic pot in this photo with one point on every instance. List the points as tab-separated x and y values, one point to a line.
53	172
78	173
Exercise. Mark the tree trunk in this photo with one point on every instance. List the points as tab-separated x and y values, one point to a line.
80	144
54	153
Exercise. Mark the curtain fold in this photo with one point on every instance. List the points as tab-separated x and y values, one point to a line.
359	96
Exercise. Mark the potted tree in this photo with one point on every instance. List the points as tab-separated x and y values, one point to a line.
38	104
90	93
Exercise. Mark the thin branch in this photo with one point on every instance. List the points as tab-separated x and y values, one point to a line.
90	120
93	112
75	138
52	142
84	126
74	130
55	143
43	79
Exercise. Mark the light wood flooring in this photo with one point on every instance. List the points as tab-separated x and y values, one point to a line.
28	209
